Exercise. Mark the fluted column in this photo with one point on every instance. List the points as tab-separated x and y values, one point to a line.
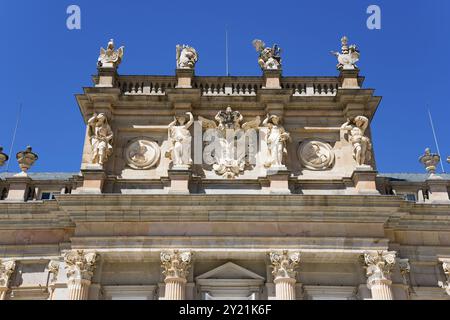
378	269
80	267
284	273
176	268
7	269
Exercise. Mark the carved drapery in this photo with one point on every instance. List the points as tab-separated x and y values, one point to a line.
175	269
378	269
284	273
80	267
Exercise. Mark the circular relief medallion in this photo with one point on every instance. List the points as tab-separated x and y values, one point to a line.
316	155
142	154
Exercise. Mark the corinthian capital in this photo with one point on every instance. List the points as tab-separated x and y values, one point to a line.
284	264
176	264
80	265
7	269
379	265
446	285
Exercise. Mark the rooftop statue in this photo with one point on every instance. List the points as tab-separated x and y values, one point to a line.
229	152
101	137
269	58
362	146
430	160
187	57
110	58
348	57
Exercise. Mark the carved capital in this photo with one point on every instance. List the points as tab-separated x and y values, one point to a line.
284	264
379	265
80	265
176	264
446	285
7	269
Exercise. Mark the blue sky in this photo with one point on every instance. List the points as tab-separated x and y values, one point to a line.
44	64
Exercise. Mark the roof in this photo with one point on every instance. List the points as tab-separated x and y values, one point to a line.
410	177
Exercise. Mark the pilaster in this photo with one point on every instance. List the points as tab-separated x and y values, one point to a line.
80	267
175	266
284	273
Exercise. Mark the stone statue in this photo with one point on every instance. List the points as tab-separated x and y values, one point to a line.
349	56
362	147
101	138
316	155
3	157
26	159
110	57
230	155
187	57
180	138
276	141
430	160
269	58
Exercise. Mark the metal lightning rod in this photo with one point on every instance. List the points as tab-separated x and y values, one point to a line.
14	136
435	138
227	70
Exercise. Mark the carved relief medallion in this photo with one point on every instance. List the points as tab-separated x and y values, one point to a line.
316	155
142	153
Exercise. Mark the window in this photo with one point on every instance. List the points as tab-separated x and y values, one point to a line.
49	195
410	197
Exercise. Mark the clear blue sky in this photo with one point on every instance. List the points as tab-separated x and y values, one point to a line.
44	64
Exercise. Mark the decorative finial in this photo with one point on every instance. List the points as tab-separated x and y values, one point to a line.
187	57
110	58
269	58
3	157
26	159
430	160
348	57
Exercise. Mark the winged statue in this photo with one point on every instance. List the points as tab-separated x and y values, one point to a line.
348	57
269	58
110	57
187	57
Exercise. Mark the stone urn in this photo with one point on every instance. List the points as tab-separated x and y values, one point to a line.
26	159
430	160
3	157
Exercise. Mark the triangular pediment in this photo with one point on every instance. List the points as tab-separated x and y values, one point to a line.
230	270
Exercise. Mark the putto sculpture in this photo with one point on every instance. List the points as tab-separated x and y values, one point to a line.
101	138
362	147
430	160
230	152
269	58
187	57
3	157
276	140
180	140
348	57
26	159
110	58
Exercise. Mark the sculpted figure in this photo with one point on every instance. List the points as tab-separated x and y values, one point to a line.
110	57
430	160
269	58
349	56
362	146
187	57
101	137
180	138
276	141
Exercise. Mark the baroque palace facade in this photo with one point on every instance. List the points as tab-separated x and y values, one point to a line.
208	188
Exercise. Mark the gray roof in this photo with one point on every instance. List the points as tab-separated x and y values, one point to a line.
43	175
410	177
